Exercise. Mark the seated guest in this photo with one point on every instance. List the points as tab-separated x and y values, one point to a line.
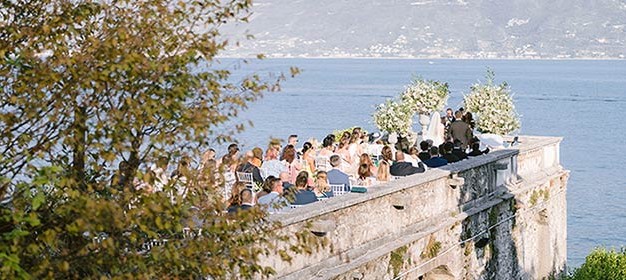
272	166
458	151
336	176
447	153
383	174
275	201
252	165
367	160
476	150
235	195
366	177
320	186
387	154
435	160
403	168
424	154
302	194
246	201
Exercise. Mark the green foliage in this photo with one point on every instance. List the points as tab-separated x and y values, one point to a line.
396	259
432	248
493	105
92	93
601	264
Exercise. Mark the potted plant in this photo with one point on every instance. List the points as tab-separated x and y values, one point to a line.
424	97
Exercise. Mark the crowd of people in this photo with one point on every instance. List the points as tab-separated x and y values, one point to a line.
283	177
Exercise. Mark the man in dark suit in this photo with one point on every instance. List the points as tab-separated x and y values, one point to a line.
458	151
246	202
403	168
460	130
447	153
476	150
336	176
435	160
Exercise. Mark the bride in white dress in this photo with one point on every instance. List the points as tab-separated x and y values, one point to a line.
436	130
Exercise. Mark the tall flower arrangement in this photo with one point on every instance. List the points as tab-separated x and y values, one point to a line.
393	116
425	96
494	107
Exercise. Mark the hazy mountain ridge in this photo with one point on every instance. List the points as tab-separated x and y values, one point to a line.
434	28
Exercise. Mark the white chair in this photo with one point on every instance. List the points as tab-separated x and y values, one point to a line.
246	178
322	163
338	190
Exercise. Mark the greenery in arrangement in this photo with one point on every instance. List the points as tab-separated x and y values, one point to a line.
493	105
393	116
601	264
92	93
425	96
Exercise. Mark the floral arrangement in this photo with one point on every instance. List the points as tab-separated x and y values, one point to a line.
493	105
425	96
393	116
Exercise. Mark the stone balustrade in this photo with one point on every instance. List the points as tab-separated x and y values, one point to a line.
423	225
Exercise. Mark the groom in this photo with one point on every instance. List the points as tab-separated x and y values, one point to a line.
460	130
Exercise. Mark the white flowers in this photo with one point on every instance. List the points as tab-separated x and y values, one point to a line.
494	106
425	96
393	116
421	96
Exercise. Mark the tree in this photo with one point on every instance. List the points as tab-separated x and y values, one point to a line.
92	91
601	264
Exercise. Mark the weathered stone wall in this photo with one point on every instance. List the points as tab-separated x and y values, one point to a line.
497	216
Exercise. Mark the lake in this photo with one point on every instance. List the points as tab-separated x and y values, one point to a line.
579	100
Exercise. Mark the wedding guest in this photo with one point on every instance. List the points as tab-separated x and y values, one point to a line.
344	153
403	168
289	160
383	174
458	151
233	152
208	155
460	130
302	194
235	195
335	175
322	161
424	154
435	160
469	119
387	154
307	157
476	150
246	201
272	166
252	164
321	186
293	141
450	115
274	200
447	153
366	177
366	159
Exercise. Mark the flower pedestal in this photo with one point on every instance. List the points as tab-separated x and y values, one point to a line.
424	121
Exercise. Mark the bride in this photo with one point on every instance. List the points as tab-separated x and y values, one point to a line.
436	130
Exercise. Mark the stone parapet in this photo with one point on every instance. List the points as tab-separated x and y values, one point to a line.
496	215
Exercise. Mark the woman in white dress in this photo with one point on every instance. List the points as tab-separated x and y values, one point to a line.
436	130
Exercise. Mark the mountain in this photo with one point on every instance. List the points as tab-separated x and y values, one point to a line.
433	29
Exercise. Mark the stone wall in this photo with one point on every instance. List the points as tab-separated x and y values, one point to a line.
497	216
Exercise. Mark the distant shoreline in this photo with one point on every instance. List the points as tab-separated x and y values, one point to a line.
430	58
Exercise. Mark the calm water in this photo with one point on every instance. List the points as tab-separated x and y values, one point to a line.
582	101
